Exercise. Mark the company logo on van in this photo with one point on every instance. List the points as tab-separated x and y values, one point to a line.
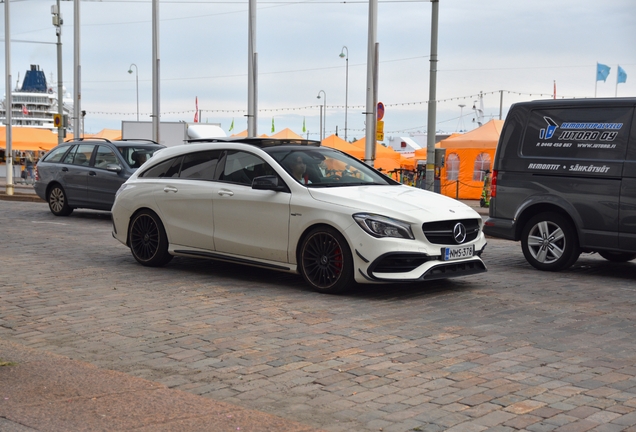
547	132
578	132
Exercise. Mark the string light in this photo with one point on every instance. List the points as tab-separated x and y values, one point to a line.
311	107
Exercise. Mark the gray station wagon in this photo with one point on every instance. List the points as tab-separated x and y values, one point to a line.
86	173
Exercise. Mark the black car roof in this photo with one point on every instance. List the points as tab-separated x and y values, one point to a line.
259	141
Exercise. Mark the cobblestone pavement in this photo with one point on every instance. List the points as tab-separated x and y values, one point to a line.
511	349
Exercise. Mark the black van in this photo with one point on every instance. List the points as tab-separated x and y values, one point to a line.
564	180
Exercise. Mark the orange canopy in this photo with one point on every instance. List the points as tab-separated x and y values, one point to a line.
111	134
380	150
287	133
485	136
24	138
338	143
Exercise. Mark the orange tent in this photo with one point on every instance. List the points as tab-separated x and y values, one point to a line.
240	134
338	143
485	136
467	157
111	134
287	133
380	150
24	138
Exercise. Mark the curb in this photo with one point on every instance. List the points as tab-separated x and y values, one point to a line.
20	197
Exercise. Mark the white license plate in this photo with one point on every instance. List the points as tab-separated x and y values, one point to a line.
457	252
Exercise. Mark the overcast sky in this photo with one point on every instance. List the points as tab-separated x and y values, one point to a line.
520	47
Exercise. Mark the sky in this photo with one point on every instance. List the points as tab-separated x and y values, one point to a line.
506	50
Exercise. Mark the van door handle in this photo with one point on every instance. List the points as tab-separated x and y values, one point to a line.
226	192
170	189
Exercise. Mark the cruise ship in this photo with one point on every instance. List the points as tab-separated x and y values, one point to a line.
35	103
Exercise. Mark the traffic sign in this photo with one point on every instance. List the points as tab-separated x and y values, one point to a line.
379	132
380	110
57	120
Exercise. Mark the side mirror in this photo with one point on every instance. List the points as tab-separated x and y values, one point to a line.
268	182
113	167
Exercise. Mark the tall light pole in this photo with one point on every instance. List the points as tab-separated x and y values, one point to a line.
8	102
137	83
57	22
323	125
342	55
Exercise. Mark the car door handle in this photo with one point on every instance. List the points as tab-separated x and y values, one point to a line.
170	189
65	169
92	173
226	192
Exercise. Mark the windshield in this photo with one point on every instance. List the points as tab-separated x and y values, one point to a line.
325	167
135	156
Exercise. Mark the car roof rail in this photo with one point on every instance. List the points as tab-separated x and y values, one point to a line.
89	138
258	141
139	139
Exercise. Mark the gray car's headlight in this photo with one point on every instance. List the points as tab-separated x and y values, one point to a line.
382	226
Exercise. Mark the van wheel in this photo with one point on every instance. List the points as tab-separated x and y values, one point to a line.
617	256
549	242
148	240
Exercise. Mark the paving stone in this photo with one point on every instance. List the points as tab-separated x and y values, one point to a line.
515	343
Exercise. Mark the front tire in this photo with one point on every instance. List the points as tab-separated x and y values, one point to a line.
618	257
325	260
58	203
148	240
549	242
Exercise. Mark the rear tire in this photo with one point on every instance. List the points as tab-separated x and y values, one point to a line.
148	240
325	260
549	242
618	257
58	203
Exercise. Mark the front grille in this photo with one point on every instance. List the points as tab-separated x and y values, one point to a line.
442	232
398	263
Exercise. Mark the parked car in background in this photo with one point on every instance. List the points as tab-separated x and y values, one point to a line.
86	173
293	206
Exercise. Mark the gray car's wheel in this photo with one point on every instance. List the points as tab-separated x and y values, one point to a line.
148	240
549	242
617	256
58	203
325	260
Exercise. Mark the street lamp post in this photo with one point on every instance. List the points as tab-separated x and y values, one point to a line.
342	55
323	125
137	84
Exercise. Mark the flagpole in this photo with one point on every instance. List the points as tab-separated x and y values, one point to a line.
617	77
596	79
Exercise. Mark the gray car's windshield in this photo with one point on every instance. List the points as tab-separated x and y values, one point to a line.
325	167
135	156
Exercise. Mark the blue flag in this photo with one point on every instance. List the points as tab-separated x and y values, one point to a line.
602	71
622	76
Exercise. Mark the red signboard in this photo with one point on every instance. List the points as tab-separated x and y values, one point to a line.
380	110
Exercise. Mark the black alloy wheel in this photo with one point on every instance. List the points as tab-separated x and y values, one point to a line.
549	242
148	240
325	260
58	204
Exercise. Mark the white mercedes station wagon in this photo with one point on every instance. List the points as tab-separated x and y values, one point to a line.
293	206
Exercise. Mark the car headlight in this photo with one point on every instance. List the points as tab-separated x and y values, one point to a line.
382	226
